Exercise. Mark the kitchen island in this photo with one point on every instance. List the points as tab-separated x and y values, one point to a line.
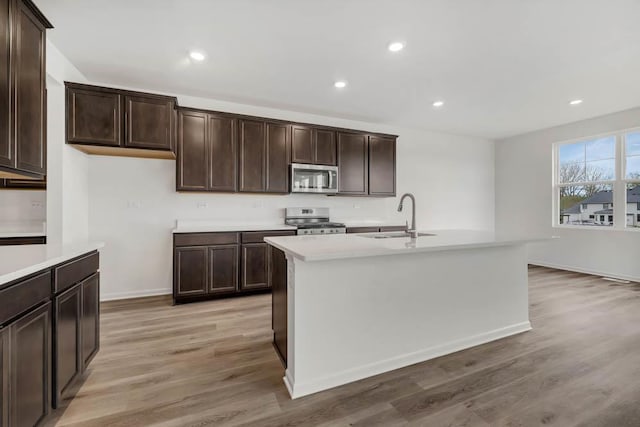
357	305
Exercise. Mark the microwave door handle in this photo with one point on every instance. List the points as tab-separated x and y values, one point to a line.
330	184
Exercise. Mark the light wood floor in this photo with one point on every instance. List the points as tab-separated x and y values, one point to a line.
212	363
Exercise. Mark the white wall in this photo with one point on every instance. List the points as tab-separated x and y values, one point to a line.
67	168
524	202
133	204
18	206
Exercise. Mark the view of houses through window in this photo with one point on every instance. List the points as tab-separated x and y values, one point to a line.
586	177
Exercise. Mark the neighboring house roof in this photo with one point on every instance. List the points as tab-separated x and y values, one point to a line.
575	209
604	212
602	197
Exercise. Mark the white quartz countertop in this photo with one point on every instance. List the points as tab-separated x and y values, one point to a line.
217	226
365	223
342	246
20	261
9	234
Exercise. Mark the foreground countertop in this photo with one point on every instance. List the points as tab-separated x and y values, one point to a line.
20	261
342	246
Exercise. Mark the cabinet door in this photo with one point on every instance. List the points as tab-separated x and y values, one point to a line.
325	147
353	163
223	146
190	269
302	144
90	331
278	284
148	123
382	166
277	158
7	155
253	151
223	269
93	117
255	266
30	77
4	377
192	160
67	314
29	395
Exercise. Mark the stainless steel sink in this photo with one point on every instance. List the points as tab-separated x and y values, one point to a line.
392	235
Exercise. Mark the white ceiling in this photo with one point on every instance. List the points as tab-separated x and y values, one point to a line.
502	67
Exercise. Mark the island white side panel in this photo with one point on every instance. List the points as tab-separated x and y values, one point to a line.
351	319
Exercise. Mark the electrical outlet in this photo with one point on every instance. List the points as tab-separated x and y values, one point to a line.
356	206
36	205
202	205
133	204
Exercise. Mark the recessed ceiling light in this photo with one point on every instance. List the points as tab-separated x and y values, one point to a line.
575	102
340	84
196	56
438	104
396	46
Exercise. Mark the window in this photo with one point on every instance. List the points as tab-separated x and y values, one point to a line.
597	177
632	176
585	174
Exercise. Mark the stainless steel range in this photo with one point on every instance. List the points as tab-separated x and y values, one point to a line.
313	221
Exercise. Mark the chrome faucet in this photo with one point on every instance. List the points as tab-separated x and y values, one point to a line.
412	231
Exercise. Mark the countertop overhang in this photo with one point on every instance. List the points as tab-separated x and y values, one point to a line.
17	262
344	246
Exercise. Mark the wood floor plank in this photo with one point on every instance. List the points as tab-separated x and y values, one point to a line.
212	363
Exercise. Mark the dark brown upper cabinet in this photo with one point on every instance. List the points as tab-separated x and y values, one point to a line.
253	151
207	152
149	122
313	145
277	158
116	122
264	156
22	90
93	117
223	153
325	147
353	163
193	151
382	166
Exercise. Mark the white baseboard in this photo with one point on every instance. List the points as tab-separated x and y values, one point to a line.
297	390
584	271
134	294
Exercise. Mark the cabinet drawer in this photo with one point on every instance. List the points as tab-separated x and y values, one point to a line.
393	228
258	236
204	239
75	271
24	295
363	230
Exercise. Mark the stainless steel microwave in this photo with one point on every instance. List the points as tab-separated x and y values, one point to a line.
314	178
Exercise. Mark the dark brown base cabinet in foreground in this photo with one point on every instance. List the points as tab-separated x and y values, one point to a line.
214	265
48	335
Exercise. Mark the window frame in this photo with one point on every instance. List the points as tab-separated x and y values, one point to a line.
618	184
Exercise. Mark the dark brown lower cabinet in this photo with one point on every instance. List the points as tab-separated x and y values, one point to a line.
76	331
190	271
4	377
30	388
15	241
90	321
213	265
67	320
255	266
278	283
223	269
